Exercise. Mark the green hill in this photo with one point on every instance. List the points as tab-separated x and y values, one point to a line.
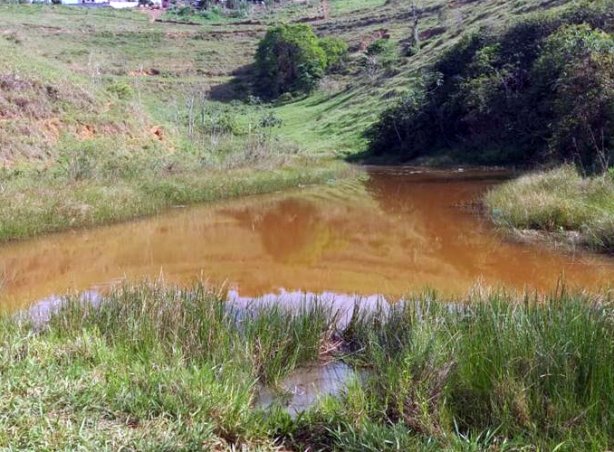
106	115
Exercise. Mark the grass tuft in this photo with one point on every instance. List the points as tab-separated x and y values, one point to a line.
559	200
151	365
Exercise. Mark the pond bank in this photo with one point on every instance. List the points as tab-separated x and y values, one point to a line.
156	366
558	206
33	205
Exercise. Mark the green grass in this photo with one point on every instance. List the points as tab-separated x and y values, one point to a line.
339	7
167	63
139	95
114	124
159	367
556	201
30	206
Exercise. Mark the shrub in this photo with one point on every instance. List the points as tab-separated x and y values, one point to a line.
78	159
542	90
384	51
120	89
289	59
335	50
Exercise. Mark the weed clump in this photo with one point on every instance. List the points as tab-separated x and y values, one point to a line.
558	201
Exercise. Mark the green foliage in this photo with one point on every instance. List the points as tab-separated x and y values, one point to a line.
153	366
380	46
120	89
383	53
580	61
542	90
335	49
291	59
557	201
77	160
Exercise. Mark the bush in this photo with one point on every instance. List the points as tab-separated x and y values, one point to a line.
335	50
291	59
384	51
120	89
539	91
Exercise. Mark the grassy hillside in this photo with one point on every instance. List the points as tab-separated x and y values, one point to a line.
106	115
166	64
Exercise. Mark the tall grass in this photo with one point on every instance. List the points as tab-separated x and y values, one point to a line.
557	201
494	374
153	366
31	206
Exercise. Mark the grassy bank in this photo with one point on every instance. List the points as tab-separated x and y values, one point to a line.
561	203
34	205
153	367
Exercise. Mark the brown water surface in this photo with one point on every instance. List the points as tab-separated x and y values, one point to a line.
400	231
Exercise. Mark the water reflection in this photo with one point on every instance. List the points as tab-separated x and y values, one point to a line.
304	387
292	231
398	232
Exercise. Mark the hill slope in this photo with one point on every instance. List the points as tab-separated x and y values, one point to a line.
106	115
166	64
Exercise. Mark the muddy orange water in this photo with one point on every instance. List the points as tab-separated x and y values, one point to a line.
399	231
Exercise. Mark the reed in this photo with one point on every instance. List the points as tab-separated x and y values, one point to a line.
150	365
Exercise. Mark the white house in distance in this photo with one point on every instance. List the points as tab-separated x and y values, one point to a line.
86	2
118	4
123	4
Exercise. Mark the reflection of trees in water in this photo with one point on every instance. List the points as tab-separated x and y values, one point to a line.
456	238
292	230
399	225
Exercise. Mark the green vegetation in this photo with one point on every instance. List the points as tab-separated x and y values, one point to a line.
53	204
542	90
114	114
156	367
291	59
559	201
167	64
112	125
335	49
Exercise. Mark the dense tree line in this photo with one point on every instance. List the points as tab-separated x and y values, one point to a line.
541	90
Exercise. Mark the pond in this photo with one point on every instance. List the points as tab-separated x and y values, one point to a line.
399	230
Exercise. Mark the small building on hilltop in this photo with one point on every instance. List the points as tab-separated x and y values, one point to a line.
87	3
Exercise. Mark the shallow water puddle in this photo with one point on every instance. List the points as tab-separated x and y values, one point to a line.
304	387
397	232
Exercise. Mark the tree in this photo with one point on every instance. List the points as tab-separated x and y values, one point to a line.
578	64
289	59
